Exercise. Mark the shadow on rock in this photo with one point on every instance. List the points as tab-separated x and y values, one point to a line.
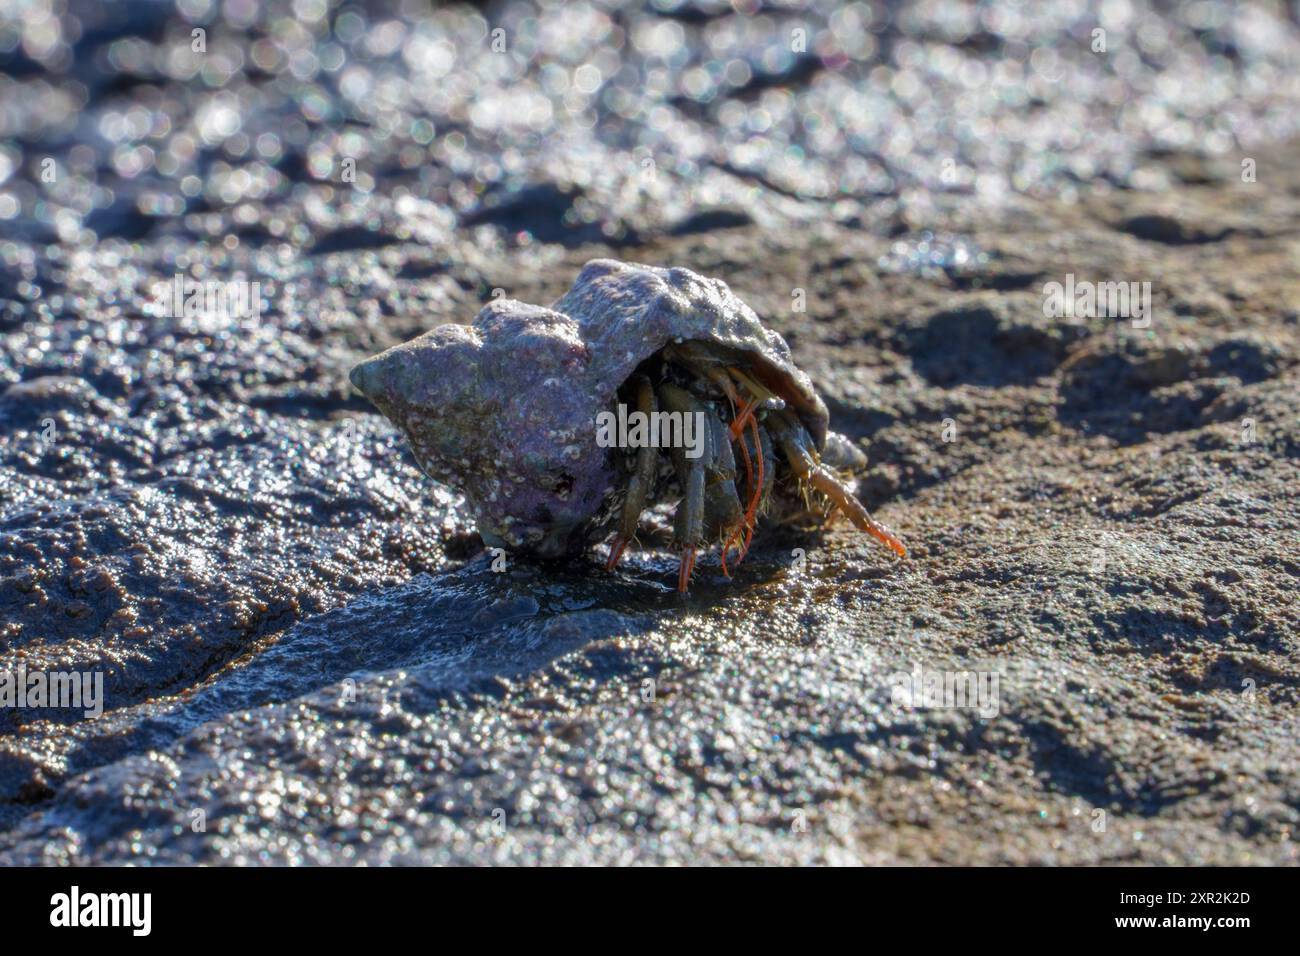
975	347
1131	394
459	630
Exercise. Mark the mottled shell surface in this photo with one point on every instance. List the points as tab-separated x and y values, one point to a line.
505	409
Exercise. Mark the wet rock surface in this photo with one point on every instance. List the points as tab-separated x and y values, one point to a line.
304	648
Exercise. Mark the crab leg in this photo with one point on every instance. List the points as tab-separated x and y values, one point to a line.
723	509
761	487
745	416
798	448
638	487
685	570
749	468
751	513
726	544
745	379
688	523
688	526
748	415
721	379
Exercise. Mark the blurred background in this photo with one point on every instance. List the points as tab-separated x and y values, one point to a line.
575	121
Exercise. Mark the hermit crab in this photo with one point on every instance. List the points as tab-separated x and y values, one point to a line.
526	412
